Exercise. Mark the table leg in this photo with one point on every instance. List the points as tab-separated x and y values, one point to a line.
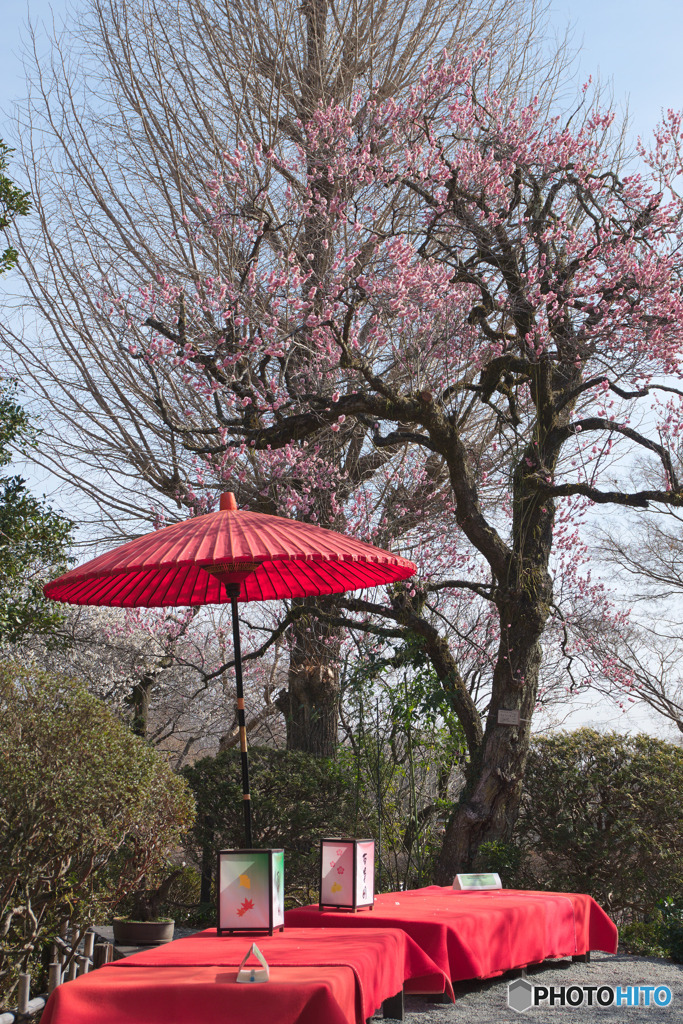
583	958
393	1007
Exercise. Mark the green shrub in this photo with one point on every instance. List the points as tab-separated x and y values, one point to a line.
675	940
603	814
662	936
503	858
644	938
296	799
672	918
86	811
183	894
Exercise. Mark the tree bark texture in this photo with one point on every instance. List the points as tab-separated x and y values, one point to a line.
311	703
488	806
139	701
523	595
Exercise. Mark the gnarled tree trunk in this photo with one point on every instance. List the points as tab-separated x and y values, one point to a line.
311	703
489	803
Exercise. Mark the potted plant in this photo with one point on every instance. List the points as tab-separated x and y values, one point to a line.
144	925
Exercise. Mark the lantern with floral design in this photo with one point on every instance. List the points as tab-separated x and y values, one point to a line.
347	873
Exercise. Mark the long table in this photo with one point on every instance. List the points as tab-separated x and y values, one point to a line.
479	934
336	976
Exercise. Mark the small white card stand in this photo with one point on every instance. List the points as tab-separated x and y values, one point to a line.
473	883
253	974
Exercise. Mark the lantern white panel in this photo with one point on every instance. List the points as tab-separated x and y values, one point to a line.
365	873
278	888
336	883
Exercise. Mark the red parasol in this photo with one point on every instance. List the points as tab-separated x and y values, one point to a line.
229	555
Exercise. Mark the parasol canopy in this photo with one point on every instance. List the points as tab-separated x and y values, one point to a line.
194	563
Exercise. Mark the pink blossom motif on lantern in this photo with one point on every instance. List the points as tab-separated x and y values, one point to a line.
354	863
337	872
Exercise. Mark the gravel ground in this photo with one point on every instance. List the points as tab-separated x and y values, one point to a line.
485	1002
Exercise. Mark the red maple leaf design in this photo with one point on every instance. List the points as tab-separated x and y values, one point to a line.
246	905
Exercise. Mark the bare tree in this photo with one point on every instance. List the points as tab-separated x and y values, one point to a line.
638	662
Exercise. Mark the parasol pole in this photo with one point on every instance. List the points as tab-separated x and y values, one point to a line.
233	590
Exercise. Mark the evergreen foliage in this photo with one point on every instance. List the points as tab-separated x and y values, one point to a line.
297	798
33	538
86	810
13	202
602	814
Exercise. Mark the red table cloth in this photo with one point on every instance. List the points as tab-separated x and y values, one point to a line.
480	934
205	995
335	976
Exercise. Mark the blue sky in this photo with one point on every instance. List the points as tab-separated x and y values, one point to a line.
636	44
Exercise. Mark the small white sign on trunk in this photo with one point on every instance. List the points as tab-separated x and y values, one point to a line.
509	718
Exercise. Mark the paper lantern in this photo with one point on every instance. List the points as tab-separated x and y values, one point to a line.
347	873
251	891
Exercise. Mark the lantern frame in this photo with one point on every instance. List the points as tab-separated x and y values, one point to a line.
223	929
354	905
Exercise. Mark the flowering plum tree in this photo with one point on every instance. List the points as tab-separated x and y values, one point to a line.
116	167
516	288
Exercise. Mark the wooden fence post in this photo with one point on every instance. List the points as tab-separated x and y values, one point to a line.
88	947
23	994
54	976
102	954
94	955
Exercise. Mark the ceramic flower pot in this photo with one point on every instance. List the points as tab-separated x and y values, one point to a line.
142	933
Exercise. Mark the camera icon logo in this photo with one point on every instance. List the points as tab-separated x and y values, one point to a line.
520	995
